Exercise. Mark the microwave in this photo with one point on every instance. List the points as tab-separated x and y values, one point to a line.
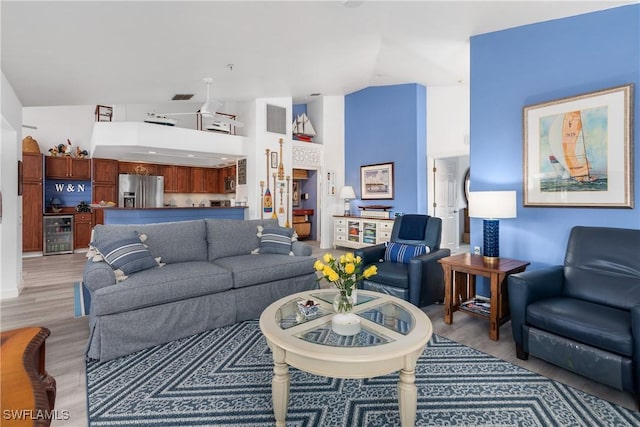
230	184
220	203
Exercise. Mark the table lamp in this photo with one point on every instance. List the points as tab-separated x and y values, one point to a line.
55	205
347	194
492	206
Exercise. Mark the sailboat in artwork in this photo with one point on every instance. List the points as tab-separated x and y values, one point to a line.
569	154
302	128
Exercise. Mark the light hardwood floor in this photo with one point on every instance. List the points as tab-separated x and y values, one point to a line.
47	300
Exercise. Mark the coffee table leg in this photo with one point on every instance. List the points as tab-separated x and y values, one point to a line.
407	397
280	386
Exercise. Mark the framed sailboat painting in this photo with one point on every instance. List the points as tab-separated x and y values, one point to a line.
578	151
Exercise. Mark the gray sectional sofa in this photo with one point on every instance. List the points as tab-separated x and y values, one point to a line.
209	279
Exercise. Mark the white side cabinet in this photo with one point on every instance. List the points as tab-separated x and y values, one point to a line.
356	232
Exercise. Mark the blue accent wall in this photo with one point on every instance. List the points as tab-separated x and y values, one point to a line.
70	192
388	124
298	109
536	63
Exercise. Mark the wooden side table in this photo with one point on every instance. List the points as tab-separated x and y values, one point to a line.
460	273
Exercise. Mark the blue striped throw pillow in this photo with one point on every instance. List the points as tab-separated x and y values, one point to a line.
399	252
276	241
126	253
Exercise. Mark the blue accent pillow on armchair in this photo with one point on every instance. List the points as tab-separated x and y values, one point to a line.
399	252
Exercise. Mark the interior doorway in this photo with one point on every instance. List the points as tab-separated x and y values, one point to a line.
447	199
305	202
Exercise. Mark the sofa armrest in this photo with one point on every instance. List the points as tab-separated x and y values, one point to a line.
98	275
528	287
426	278
635	333
370	254
301	248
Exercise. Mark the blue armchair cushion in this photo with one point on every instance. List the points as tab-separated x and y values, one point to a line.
275	240
399	252
583	321
126	253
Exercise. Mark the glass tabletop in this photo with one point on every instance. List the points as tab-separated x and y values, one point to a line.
387	314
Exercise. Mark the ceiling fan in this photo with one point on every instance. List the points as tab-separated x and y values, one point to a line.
221	121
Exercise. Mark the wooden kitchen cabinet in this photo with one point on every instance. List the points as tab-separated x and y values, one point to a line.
32	167
32	204
31	216
139	168
177	179
104	185
204	180
67	168
198	184
212	180
82	225
105	171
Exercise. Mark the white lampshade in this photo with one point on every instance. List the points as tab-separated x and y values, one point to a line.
492	204
347	193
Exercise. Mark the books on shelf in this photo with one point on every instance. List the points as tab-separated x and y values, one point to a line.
477	305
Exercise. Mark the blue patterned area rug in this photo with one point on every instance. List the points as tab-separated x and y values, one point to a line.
223	378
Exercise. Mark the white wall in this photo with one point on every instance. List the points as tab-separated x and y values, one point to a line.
57	124
327	115
447	121
258	140
448	124
11	225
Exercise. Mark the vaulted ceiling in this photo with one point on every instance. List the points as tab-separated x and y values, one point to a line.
121	52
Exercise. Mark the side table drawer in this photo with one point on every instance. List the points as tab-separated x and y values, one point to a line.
340	222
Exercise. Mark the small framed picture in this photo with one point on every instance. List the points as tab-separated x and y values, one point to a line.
376	181
274	159
295	194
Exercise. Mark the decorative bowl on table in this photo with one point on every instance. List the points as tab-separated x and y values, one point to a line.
308	307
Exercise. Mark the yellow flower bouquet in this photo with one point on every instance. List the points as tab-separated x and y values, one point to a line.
344	272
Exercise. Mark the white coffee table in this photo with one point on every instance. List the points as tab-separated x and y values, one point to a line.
394	334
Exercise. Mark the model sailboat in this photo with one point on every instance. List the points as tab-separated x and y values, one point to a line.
302	128
566	140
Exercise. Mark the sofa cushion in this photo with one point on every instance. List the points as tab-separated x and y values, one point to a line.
172	282
399	252
594	324
125	252
392	273
250	270
274	240
162	238
230	237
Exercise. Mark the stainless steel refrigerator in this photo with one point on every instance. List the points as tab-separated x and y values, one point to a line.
140	191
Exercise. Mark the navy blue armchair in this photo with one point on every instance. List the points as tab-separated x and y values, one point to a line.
584	316
406	269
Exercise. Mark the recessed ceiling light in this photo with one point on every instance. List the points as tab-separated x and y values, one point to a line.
190	155
153	152
223	158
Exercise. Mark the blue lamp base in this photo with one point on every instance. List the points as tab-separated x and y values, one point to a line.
491	239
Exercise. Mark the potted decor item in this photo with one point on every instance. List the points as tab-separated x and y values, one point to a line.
344	273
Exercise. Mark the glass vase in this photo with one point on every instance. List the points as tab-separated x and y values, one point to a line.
342	303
